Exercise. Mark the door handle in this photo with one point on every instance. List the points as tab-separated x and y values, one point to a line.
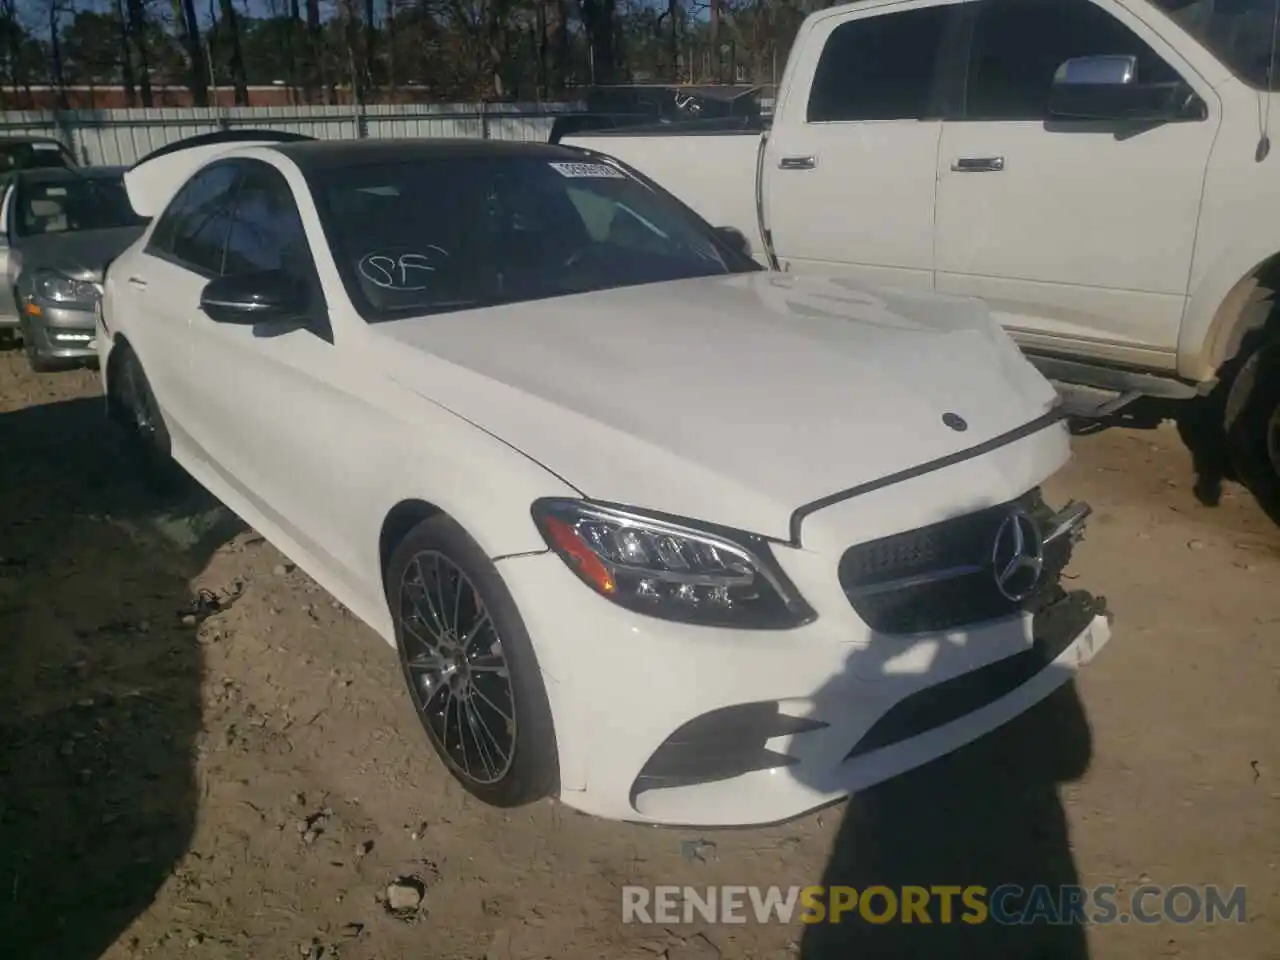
797	163
138	282
978	164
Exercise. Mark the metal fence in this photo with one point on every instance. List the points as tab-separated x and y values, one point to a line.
124	136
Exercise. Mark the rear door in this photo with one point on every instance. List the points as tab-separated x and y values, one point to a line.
850	165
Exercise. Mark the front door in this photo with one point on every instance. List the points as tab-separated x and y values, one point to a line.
849	170
283	418
1079	236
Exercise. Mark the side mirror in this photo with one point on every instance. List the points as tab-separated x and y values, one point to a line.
253	298
1109	89
736	239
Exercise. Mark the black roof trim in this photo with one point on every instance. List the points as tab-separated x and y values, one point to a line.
336	154
224	136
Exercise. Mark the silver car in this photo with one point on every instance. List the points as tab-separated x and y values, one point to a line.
59	228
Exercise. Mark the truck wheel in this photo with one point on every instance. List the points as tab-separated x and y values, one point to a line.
1252	422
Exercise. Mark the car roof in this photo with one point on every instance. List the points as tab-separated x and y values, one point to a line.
318	155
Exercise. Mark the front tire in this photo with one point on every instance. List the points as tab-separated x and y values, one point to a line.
470	666
1252	422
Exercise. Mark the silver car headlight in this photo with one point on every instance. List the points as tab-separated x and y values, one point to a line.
59	290
672	568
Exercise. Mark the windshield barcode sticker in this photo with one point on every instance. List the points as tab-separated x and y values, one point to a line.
579	170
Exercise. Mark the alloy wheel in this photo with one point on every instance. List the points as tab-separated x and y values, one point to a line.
457	669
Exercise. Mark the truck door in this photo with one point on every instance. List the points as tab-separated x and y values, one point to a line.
849	168
1078	234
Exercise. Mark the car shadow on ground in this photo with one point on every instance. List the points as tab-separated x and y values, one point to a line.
988	815
100	680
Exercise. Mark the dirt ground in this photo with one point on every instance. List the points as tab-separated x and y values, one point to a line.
202	755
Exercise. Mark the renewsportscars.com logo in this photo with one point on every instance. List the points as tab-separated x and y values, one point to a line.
1009	905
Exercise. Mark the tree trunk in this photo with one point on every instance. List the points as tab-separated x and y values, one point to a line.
561	67
598	19
541	45
318	74
391	47
197	77
370	46
673	44
137	20
495	29
715	41
126	59
290	50
231	23
55	50
350	35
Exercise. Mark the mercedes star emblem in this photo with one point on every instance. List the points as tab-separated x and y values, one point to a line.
1017	557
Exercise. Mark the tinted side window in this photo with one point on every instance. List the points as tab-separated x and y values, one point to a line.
1018	45
881	68
193	229
267	232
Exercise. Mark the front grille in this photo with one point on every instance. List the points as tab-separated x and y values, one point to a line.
943	576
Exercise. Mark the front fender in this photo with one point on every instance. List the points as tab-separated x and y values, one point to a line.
488	489
479	481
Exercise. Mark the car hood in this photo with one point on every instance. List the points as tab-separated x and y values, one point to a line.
81	254
734	399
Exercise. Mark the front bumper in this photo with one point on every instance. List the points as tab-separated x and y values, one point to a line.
667	723
62	334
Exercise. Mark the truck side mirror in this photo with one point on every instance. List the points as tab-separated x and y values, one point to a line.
1108	88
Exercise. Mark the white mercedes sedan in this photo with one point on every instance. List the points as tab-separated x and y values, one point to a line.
653	530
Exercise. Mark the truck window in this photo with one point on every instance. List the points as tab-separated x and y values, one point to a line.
1019	44
1242	34
879	68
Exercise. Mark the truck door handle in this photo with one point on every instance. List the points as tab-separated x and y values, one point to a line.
797	163
978	164
138	282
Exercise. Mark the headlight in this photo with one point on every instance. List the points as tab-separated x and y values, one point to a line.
55	288
673	570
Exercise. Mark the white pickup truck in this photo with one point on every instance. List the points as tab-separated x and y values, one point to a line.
1101	172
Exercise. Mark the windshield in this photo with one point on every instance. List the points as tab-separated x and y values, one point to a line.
1240	33
70	204
449	233
32	155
